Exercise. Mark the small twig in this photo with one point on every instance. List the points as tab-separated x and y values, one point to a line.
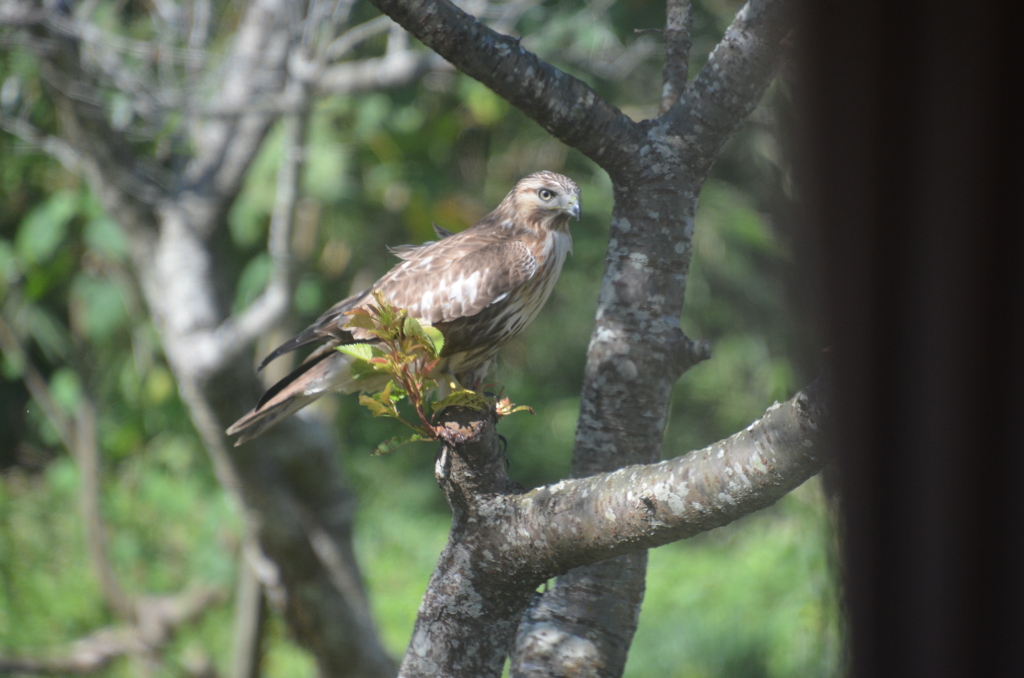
79	438
36	384
52	146
250	620
345	42
159	618
678	21
87	455
197	37
341	567
237	332
376	73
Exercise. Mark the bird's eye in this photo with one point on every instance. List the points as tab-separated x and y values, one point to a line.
545	194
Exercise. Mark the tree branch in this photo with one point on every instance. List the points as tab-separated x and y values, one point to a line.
159	618
255	66
348	40
735	77
215	349
639	507
678	20
87	455
53	146
391	70
566	107
36	384
505	542
250	620
79	438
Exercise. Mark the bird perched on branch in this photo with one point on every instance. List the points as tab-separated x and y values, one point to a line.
480	288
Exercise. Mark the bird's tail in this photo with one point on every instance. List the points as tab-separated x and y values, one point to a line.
259	419
324	371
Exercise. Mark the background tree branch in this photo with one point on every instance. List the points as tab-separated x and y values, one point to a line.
158	619
564	106
170	215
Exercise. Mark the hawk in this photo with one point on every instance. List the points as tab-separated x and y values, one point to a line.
480	288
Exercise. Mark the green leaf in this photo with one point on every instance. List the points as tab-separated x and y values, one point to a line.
9	267
435	337
308	296
103	235
43	229
159	385
412	328
49	333
102	311
360	351
66	389
362	369
392	444
463	398
378	409
360	319
252	281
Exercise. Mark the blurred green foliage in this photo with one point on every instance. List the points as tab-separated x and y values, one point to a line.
754	599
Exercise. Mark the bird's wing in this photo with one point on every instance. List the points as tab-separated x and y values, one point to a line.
441	281
329	326
453	279
413	251
442	232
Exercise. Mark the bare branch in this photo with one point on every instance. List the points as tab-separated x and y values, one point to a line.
216	349
53	146
563	105
36	384
159	618
640	507
348	40
127	187
393	70
20	14
79	438
346	581
736	75
199	32
250	620
87	453
678	20
254	68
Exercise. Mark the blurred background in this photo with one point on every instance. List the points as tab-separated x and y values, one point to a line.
756	598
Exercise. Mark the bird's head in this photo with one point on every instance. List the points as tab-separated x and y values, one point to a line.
547	200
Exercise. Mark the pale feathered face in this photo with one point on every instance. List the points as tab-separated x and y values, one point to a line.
547	200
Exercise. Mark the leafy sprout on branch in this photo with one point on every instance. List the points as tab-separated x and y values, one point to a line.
409	352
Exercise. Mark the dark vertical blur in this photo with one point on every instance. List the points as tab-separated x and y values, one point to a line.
914	181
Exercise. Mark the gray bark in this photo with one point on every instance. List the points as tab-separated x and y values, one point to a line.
505	542
637	350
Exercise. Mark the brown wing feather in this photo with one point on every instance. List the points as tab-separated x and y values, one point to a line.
438	282
328	326
461	287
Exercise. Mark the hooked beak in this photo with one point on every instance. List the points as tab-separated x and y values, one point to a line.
574	208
